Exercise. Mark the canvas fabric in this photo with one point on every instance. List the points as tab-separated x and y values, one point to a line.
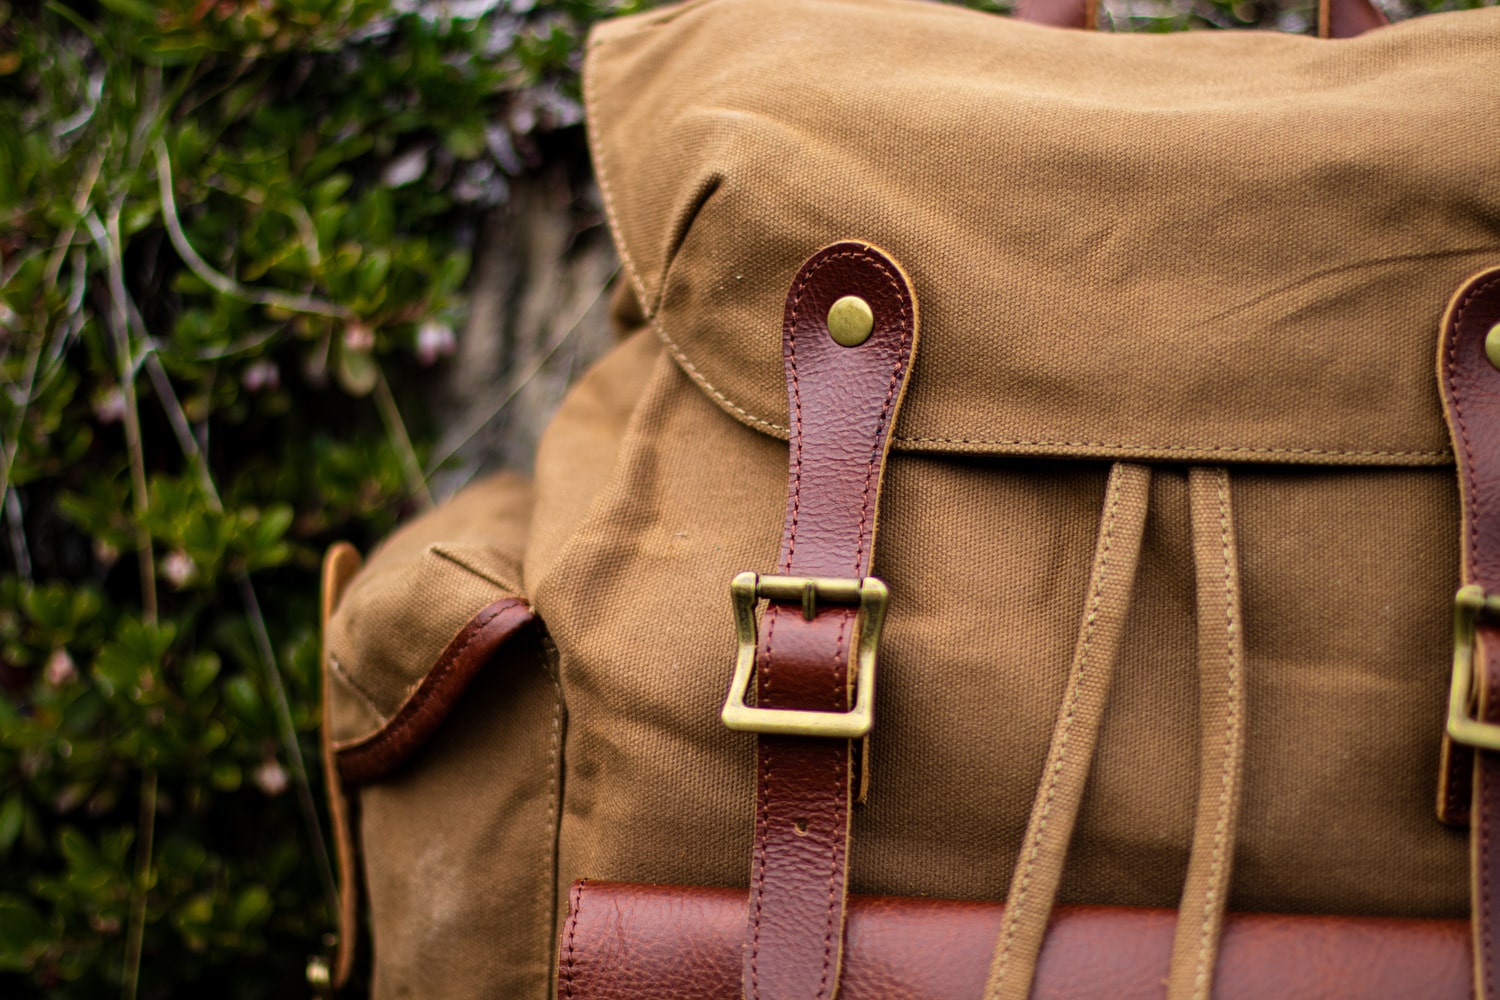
1220	250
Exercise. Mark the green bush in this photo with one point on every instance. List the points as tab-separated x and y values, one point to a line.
233	245
233	236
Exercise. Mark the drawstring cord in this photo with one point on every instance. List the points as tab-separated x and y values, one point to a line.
1221	665
1034	884
1054	814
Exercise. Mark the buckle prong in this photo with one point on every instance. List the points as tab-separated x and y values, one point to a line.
868	593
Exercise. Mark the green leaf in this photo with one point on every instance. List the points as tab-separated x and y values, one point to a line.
12	815
252	907
243	699
198	673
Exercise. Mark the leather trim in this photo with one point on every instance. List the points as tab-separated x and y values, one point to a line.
340	563
1471	403
843	403
634	942
376	755
1336	18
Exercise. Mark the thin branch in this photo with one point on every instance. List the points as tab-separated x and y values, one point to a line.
479	423
15	517
118	323
145	842
216	280
289	738
108	238
390	415
287	731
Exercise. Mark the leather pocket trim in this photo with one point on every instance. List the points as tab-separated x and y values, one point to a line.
378	754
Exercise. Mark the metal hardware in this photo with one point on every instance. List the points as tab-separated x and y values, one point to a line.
1491	345
1470	604
850	321
869	594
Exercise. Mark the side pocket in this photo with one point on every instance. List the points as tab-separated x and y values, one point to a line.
442	749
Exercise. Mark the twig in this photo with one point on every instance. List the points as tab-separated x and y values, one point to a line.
289	738
390	415
108	237
479	423
183	431
222	283
14	516
136	937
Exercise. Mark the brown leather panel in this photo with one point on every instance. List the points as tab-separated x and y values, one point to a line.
1336	18
1058	13
842	403
426	707
1471	402
633	942
1348	18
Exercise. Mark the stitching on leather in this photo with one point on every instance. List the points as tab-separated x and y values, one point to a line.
572	929
1213	448
1485	817
1013	913
836	839
881	428
760	870
1453	389
1231	736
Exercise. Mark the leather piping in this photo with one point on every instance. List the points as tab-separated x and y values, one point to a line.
340	563
376	755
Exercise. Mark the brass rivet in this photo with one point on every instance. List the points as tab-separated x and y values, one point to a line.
850	321
1492	345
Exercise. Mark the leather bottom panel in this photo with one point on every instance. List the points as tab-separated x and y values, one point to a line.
633	942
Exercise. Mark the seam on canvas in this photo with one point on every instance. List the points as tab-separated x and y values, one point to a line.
360	693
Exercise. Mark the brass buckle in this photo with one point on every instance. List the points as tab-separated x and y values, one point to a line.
869	593
1469	605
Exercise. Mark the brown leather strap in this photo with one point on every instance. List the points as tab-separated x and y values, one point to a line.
647	942
1471	402
843	402
1336	18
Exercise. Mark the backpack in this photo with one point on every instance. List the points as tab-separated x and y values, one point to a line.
1141	685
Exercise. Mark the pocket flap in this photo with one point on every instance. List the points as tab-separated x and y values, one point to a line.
434	604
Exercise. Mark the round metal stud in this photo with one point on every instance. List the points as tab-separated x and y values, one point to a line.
1492	345
850	321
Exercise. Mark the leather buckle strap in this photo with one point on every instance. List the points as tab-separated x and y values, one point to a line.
869	593
848	336
1470	605
1469	376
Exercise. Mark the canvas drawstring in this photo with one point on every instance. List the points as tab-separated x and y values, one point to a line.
1221	699
1039	869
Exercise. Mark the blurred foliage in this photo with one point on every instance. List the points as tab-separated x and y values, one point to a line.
234	236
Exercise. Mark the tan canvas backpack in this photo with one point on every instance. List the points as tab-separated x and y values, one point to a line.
1141	687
